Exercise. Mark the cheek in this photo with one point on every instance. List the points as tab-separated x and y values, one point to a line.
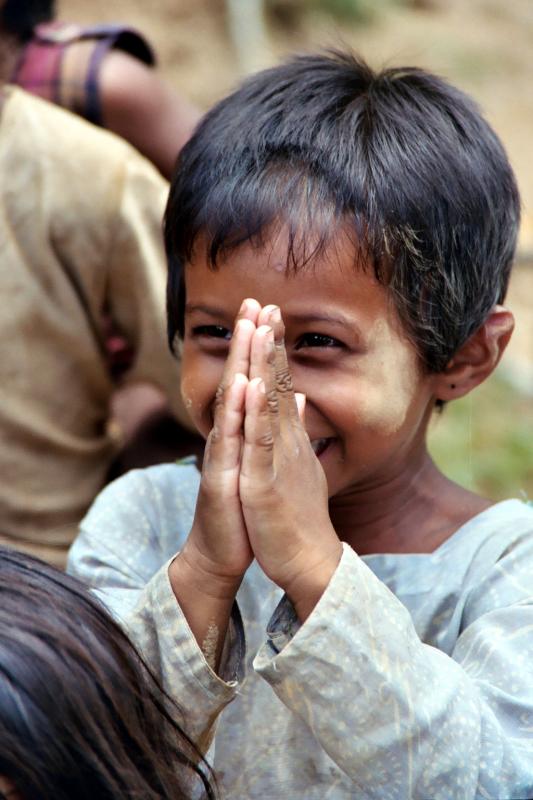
199	382
390	396
378	403
381	410
392	385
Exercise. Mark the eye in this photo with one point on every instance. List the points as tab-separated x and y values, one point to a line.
317	340
212	331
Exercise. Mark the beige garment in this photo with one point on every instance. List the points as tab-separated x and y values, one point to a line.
80	224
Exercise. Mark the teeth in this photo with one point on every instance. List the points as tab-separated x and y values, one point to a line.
318	445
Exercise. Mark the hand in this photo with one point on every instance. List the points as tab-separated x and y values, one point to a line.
206	574
218	543
282	486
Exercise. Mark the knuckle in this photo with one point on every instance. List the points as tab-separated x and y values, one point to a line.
219	398
271	354
284	381
272	400
266	441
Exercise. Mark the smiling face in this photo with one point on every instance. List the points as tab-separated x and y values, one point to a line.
368	400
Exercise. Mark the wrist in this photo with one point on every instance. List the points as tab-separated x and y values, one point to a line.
192	573
306	588
206	601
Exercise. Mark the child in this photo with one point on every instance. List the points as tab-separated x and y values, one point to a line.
378	214
80	714
102	72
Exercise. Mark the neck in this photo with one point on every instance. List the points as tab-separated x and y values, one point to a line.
413	511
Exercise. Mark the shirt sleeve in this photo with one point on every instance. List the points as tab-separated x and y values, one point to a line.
137	272
401	718
161	632
122	554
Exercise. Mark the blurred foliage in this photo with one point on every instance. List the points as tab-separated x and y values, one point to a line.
346	10
485	441
288	11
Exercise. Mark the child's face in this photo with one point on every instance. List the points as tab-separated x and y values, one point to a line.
368	400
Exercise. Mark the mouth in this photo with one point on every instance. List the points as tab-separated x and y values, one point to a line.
321	445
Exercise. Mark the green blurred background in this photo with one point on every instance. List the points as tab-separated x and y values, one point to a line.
484	441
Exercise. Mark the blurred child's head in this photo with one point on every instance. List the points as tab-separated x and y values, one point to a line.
19	17
397	171
80	714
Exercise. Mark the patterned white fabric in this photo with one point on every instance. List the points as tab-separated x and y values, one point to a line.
412	677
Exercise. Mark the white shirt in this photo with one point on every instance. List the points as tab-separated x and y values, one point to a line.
411	678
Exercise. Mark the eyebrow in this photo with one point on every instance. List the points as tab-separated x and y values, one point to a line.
323	316
211	311
337	318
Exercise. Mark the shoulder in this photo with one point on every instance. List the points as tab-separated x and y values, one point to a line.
156	502
489	534
81	168
43	125
128	87
501	566
501	528
135	525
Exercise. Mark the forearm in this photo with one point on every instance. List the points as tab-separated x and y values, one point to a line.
206	602
162	633
388	709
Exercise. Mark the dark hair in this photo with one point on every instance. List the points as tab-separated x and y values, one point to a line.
400	159
81	716
19	17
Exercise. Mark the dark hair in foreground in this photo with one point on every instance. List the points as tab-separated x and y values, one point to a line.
399	159
80	714
20	17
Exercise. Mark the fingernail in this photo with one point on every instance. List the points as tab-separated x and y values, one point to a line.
275	314
244	306
265	330
269	336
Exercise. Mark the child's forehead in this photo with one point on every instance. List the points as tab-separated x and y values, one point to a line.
299	254
332	282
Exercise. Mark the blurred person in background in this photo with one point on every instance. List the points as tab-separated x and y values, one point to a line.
80	231
103	72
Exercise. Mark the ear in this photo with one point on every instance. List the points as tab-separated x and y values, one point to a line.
477	357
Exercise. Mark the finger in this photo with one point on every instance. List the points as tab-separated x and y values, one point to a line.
262	365
238	360
288	410
264	315
257	461
250	309
239	353
224	443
